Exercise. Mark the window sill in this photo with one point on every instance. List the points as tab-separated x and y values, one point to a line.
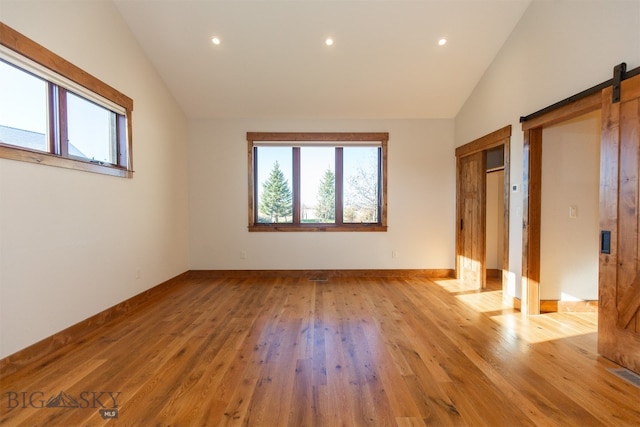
41	158
318	227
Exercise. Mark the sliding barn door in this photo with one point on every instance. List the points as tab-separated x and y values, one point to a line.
471	216
619	306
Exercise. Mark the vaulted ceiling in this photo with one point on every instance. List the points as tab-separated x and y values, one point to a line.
273	62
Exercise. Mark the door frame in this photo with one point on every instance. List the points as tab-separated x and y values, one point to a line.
499	137
532	192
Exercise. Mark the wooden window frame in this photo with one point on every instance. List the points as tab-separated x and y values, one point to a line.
58	153
333	139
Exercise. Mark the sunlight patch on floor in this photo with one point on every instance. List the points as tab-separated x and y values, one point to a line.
531	329
550	326
482	302
453	285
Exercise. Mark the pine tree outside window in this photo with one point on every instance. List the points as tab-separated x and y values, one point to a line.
317	181
276	200
326	207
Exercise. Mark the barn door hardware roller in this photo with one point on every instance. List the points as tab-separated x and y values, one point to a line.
618	76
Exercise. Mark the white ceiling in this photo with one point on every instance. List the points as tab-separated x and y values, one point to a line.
273	62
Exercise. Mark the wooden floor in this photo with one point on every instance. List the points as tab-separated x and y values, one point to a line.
341	352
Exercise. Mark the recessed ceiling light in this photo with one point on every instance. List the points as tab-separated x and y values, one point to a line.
215	40
442	41
328	41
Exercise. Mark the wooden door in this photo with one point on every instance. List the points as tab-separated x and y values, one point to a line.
471	219
619	286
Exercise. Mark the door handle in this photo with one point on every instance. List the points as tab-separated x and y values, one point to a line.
605	242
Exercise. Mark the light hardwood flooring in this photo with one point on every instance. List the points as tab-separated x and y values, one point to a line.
342	352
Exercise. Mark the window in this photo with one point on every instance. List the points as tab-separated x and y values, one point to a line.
23	112
48	114
317	181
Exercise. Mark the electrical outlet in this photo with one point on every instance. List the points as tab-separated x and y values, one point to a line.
137	273
243	254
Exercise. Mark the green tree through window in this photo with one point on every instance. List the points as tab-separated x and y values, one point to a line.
277	200
326	209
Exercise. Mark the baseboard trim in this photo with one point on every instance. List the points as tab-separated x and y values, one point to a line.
428	273
493	273
75	332
555	306
516	303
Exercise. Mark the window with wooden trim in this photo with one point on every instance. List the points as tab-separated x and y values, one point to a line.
53	113
317	181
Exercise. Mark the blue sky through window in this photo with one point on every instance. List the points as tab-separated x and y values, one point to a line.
23	100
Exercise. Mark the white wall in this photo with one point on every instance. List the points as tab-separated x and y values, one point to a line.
421	201
558	49
71	242
569	250
495	220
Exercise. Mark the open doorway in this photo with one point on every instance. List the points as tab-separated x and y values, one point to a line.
570	223
535	131
482	213
494	202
